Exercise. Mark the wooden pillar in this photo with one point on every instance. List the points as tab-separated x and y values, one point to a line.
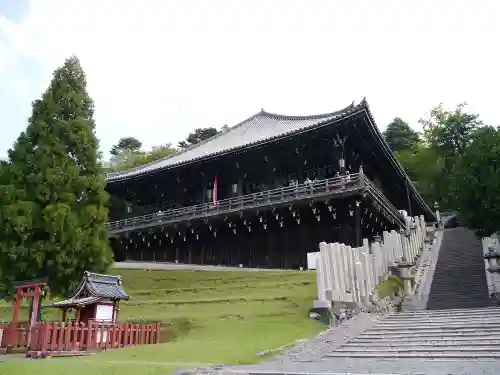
117	310
64	312
16	305
34	310
357	218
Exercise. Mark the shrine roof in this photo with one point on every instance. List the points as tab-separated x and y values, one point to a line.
100	286
263	127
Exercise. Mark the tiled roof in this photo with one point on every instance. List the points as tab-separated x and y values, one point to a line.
101	286
260	128
77	302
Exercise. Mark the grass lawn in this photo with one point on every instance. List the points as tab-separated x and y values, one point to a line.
221	317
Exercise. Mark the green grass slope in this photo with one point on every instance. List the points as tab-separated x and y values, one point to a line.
209	317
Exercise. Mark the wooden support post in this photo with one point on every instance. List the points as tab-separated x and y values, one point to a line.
16	305
357	217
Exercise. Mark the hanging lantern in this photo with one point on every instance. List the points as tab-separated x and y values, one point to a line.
171	240
215	234
318	217
234	230
184	238
351	212
249	228
260	219
297	220
281	224
197	236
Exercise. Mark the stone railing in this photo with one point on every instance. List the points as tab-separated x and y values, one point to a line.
351	275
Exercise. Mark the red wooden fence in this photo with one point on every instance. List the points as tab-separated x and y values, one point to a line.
80	336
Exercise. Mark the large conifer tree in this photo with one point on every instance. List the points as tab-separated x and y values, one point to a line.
53	211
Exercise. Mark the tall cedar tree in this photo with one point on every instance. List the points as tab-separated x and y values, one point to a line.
53	211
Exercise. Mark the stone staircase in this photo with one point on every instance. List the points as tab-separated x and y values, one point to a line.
465	334
459	280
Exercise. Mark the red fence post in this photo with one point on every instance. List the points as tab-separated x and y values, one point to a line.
89	343
158	327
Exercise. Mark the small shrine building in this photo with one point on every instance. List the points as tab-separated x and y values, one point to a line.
96	298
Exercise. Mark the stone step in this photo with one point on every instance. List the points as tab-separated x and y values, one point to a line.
456	324
439	315
422	343
426	337
441	320
448	327
418	349
481	310
435	331
423	355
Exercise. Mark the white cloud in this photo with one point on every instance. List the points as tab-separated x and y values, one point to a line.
157	69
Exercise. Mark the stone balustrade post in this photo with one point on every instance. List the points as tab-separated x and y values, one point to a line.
333	265
378	262
493	257
321	301
404	273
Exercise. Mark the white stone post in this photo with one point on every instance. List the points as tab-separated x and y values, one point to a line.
378	262
332	261
320	284
325	259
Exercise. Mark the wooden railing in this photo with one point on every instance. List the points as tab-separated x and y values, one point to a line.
255	200
338	185
79	336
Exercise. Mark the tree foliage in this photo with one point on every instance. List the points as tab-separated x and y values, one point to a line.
126	144
53	211
476	176
197	136
400	136
450	131
127	160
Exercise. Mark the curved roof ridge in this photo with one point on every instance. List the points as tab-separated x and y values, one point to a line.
309	117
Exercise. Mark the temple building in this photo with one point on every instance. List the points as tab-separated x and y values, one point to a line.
97	297
264	193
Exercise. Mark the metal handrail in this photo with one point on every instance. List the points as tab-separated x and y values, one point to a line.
283	194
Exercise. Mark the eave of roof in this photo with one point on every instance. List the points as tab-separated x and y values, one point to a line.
77	302
259	129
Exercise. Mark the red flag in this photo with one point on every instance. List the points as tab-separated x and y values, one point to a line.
216	186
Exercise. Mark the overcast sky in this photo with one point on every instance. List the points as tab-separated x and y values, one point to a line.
158	68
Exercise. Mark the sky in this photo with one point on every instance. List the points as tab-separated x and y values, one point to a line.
158	69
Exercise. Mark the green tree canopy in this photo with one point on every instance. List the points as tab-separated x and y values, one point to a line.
476	187
126	144
53	211
450	131
197	136
400	136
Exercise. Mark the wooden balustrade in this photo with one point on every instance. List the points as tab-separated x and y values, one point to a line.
80	336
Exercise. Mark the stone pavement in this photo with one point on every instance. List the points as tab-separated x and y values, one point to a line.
439	342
